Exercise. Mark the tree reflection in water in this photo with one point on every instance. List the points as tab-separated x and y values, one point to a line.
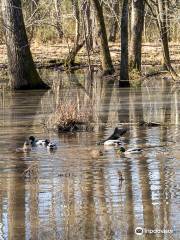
75	196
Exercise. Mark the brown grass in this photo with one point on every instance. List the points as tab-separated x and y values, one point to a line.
68	115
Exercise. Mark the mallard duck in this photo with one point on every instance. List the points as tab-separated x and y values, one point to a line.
51	146
38	142
112	143
26	147
96	153
114	138
131	150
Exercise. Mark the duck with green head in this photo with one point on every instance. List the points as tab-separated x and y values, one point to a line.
38	142
130	151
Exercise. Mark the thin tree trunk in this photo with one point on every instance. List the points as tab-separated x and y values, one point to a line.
89	25
124	68
161	21
94	31
137	23
164	36
168	20
57	5
86	31
144	28
105	53
114	23
70	60
33	6
22	71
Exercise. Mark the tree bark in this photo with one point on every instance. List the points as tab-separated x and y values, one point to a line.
164	36
137	23
32	7
57	5
89	24
78	43
168	24
22	71
124	68
105	53
114	23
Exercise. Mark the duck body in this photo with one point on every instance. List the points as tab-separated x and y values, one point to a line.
112	143
51	146
38	142
42	142
134	151
26	147
114	138
118	132
131	150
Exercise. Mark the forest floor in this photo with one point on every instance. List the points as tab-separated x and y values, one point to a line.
53	55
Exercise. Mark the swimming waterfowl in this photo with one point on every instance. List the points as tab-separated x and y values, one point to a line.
131	150
38	142
114	138
26	147
112	143
51	146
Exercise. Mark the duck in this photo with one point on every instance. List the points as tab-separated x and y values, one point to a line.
112	143
131	150
51	146
38	142
114	138
96	153
26	147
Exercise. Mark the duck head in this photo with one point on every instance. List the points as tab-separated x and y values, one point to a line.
47	141
122	149
32	139
120	131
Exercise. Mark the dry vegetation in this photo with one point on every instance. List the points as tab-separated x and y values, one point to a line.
69	116
46	55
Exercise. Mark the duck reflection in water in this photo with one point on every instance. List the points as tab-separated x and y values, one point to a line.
26	147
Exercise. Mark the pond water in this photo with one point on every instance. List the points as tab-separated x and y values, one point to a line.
71	195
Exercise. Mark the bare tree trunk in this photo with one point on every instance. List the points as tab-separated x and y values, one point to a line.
57	5
137	23
89	25
105	53
124	68
168	19
161	21
77	44
94	31
144	28
164	36
114	23
22	71
33	7
86	29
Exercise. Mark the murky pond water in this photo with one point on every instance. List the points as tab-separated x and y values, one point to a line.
71	195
